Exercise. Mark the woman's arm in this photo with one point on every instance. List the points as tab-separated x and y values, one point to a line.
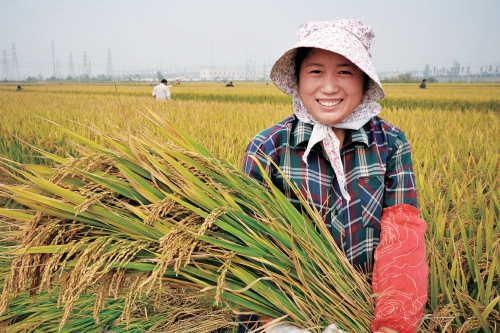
400	271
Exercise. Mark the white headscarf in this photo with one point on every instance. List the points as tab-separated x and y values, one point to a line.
352	40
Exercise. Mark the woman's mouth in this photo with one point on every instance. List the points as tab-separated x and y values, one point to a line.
329	103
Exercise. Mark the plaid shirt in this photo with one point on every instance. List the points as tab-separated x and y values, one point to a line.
378	169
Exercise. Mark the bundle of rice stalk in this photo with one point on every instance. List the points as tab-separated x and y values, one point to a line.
178	312
171	214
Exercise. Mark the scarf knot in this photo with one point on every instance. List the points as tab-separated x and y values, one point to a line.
331	144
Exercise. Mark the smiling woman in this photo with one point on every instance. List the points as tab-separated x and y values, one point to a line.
350	165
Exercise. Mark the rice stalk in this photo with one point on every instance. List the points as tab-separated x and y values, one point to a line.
180	217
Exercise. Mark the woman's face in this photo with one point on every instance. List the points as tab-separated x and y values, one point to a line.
330	86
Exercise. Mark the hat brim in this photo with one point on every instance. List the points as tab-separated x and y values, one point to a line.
333	39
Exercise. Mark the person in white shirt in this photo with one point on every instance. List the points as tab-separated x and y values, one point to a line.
161	91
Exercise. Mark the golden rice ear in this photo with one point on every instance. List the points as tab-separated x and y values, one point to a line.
180	217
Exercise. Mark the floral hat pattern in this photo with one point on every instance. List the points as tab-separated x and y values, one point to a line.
351	39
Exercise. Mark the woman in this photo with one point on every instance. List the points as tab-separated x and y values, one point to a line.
356	167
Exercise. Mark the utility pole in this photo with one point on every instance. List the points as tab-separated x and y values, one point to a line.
53	58
58	68
15	67
71	66
5	67
109	71
85	64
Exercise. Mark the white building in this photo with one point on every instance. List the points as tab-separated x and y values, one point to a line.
235	74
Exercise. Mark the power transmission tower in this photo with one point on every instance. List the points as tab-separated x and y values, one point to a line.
250	66
15	67
109	71
85	64
58	69
90	72
71	66
53	58
5	67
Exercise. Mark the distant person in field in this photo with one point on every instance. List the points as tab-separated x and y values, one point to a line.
178	82
350	165
161	91
423	84
230	84
19	88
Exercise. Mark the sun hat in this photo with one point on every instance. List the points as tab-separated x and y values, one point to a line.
351	39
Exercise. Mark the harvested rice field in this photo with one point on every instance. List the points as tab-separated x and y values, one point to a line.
95	180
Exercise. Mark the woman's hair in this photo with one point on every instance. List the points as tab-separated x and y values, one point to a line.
302	53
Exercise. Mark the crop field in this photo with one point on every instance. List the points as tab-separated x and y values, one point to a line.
454	130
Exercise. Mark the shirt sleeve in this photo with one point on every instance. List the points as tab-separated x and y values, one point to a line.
168	93
255	154
400	273
399	177
153	93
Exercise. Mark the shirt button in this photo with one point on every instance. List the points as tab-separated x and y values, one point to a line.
367	180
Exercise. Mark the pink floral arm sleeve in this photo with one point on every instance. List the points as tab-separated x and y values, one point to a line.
400	271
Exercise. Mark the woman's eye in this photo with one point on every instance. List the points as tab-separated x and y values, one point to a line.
316	71
345	72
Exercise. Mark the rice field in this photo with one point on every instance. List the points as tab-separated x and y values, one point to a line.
454	130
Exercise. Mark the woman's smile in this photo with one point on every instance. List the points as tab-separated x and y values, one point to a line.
329	103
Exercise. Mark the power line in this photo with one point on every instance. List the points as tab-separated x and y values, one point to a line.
24	10
2	3
53	11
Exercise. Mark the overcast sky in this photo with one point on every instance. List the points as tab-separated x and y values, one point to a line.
165	34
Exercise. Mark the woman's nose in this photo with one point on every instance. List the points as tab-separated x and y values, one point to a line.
330	85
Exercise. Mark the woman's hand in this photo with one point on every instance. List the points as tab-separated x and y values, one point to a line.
332	329
290	328
285	328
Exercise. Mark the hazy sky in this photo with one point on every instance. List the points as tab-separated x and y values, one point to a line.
154	34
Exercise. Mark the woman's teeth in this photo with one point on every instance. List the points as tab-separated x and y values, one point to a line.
329	103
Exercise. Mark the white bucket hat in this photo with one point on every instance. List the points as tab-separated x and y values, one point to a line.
351	39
